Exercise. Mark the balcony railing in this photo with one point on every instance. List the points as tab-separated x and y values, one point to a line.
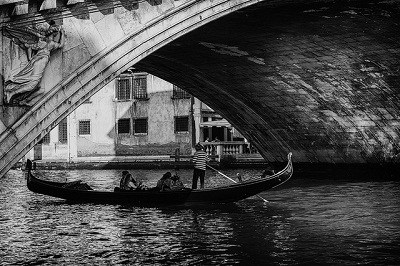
225	148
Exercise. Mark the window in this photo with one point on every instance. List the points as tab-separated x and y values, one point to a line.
84	127
140	87
123	89
124	126
140	126
62	131
181	124
178	93
45	139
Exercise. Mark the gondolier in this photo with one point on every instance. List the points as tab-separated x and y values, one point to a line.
200	160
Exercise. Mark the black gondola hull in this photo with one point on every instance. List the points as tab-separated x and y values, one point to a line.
225	194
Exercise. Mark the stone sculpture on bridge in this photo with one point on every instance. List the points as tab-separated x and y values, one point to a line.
24	87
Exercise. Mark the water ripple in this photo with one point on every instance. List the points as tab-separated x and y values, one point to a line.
306	222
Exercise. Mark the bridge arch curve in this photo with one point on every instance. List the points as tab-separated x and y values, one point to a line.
318	79
102	68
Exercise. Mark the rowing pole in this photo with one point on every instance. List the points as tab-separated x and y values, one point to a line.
232	180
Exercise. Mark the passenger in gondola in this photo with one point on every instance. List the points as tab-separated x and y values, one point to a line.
165	182
268	171
176	183
127	181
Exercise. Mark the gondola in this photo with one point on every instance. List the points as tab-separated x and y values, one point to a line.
187	197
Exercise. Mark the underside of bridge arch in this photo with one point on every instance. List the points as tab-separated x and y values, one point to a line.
321	81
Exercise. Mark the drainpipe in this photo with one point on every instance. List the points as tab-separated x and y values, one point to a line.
196	117
69	138
192	121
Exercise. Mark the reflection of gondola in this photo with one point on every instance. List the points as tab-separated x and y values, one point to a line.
222	194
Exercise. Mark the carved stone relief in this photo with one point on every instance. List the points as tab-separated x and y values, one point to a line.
24	87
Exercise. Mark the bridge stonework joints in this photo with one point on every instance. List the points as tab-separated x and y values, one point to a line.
323	85
312	77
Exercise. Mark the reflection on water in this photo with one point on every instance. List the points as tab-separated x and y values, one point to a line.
306	222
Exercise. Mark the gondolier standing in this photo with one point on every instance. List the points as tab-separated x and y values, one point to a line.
200	160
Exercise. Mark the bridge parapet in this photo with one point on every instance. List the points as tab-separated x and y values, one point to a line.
20	7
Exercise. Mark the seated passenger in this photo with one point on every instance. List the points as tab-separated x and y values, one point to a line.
127	181
268	171
141	186
165	182
176	183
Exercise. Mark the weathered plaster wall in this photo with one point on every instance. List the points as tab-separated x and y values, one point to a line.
101	113
104	110
160	110
55	151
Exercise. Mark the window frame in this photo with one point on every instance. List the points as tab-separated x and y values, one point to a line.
45	139
79	127
63	131
178	93
176	118
128	88
139	92
119	126
135	127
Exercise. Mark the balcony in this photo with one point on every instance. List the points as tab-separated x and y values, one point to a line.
240	150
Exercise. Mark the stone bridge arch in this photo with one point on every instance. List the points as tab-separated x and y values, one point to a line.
164	23
318	78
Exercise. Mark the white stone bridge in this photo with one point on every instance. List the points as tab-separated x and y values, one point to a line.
319	78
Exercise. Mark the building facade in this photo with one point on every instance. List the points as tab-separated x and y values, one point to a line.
138	114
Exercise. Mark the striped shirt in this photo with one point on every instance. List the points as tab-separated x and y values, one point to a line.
200	159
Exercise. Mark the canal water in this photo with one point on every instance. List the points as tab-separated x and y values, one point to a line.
305	222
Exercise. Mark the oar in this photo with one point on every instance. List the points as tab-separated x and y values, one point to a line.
227	177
